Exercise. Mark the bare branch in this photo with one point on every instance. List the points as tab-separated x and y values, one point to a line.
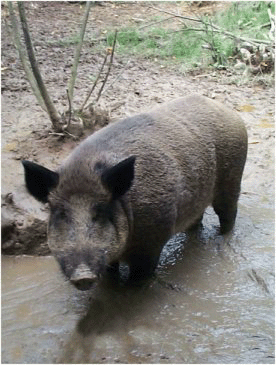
176	15
73	77
271	33
23	58
109	67
159	21
94	85
55	119
249	40
117	78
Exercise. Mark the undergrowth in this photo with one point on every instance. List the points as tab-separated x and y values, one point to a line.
197	44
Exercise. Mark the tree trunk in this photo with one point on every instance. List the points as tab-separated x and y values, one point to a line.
54	116
23	58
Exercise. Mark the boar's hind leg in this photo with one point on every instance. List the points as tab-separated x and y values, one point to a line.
225	206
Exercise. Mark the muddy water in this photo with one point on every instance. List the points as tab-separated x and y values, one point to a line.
212	301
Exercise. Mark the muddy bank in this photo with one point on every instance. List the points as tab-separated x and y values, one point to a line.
23	228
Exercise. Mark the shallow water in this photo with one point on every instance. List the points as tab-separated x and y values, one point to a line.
212	301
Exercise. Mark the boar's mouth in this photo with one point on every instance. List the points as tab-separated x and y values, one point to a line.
82	268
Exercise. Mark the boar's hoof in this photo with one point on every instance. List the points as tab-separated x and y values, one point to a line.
83	278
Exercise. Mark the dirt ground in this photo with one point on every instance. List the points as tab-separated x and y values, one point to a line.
26	129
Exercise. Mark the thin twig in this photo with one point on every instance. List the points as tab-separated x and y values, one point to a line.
120	74
109	67
216	54
60	44
249	40
176	15
192	29
63	134
74	69
71	135
271	33
159	21
70	108
95	83
56	134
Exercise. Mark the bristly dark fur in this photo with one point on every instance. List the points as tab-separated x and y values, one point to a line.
126	189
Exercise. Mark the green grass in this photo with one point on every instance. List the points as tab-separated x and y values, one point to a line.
65	42
185	46
157	43
245	17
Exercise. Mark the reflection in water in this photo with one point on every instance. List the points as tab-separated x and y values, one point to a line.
211	301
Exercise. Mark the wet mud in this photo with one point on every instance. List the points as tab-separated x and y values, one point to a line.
212	299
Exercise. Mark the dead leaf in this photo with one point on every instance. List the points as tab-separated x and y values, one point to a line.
246	108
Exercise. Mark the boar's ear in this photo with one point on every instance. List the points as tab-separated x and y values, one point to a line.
39	180
118	178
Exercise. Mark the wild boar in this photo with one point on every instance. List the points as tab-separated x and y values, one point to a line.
126	189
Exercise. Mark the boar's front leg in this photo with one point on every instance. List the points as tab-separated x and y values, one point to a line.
113	270
196	225
142	265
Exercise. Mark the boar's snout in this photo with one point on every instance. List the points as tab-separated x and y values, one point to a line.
83	278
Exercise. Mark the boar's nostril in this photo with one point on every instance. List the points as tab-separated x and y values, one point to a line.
83	284
83	278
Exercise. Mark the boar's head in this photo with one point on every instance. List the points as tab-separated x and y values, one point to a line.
89	220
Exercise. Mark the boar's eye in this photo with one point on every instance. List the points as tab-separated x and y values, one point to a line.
94	215
97	212
102	212
58	215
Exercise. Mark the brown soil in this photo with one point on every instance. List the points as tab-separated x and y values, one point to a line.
26	128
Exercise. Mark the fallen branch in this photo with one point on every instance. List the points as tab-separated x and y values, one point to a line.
191	29
176	15
249	40
159	21
222	31
63	134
